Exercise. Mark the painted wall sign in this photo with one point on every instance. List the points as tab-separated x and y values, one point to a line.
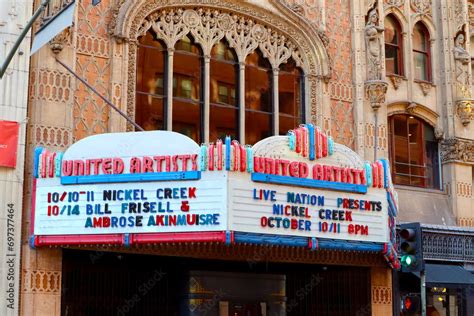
142	186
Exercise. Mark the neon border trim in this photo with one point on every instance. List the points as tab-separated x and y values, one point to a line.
228	238
310	183
136	177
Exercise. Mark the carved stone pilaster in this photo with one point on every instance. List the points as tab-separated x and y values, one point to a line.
457	150
375	91
465	110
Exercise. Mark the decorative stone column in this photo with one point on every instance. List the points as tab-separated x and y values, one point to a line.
375	87
381	291
375	91
462	81
457	156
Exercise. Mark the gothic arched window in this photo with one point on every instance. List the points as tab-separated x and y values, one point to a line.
413	152
207	87
224	106
393	46
258	98
421	52
290	86
187	96
150	93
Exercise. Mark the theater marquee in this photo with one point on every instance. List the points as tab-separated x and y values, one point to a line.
301	189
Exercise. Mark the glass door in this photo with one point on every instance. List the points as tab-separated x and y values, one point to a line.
242	309
442	302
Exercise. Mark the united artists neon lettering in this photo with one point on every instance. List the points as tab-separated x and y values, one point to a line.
86	167
299	169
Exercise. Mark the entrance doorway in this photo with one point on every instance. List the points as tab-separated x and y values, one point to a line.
244	309
234	294
106	283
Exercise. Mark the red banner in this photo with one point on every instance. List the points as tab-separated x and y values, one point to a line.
8	143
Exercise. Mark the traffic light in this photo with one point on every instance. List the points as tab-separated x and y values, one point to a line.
410	303
411	250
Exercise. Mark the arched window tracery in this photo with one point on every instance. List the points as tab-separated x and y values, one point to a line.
243	33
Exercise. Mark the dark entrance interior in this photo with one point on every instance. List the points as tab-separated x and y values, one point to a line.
105	283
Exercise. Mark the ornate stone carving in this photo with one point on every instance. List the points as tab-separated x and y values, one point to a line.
50	136
425	87
191	18
460	14
373	46
50	85
114	14
393	3
59	41
462	58
133	15
243	25
439	133
41	281
324	38
457	149
470	9
297	8
466	221
225	22
396	80
465	110
240	38
381	295
275	49
369	136
411	108
422	7
259	32
375	91
464	189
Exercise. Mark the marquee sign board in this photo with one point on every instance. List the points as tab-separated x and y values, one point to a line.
144	184
147	207
282	210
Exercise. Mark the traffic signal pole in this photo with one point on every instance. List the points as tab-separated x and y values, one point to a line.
26	29
423	292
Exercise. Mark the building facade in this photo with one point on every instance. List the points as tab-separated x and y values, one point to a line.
13	108
388	79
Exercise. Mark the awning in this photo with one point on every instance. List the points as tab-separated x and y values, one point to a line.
441	275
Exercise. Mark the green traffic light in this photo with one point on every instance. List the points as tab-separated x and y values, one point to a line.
408	260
